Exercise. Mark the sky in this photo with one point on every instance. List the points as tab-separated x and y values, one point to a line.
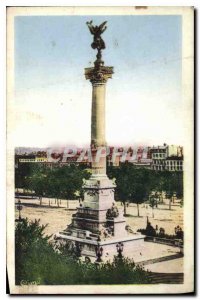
53	98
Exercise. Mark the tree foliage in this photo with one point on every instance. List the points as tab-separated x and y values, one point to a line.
38	261
56	182
135	184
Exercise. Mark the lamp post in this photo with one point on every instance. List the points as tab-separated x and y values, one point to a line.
99	253
19	208
120	247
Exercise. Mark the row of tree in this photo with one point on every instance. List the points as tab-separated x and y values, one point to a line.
133	185
58	183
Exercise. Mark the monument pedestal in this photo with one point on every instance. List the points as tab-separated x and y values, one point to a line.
99	222
131	243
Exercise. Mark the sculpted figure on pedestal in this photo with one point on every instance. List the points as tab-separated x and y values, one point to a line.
98	42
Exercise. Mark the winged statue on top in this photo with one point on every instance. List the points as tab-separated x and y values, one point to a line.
96	31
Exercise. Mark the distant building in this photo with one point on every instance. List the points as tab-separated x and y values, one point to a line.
143	163
174	163
159	155
167	157
159	158
33	159
173	150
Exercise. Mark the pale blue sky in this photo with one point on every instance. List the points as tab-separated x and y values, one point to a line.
143	98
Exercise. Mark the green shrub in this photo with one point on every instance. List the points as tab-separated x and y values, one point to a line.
37	260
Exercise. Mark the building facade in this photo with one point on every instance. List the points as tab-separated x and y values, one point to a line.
174	163
158	156
167	157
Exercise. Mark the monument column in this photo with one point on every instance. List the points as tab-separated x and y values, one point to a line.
98	220
98	76
98	114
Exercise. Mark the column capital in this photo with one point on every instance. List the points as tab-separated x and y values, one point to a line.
98	75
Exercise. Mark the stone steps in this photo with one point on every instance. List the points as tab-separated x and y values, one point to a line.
167	278
159	259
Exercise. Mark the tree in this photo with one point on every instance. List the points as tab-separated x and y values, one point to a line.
173	183
38	260
140	186
123	184
71	181
37	182
152	203
133	184
21	173
59	183
28	235
54	184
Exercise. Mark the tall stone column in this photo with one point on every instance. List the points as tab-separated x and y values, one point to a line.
98	114
98	76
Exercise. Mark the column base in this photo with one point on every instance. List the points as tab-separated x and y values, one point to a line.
131	244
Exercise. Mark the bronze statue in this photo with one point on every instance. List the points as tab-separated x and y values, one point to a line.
98	42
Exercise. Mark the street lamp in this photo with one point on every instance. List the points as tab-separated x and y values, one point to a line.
120	247
99	253
19	208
